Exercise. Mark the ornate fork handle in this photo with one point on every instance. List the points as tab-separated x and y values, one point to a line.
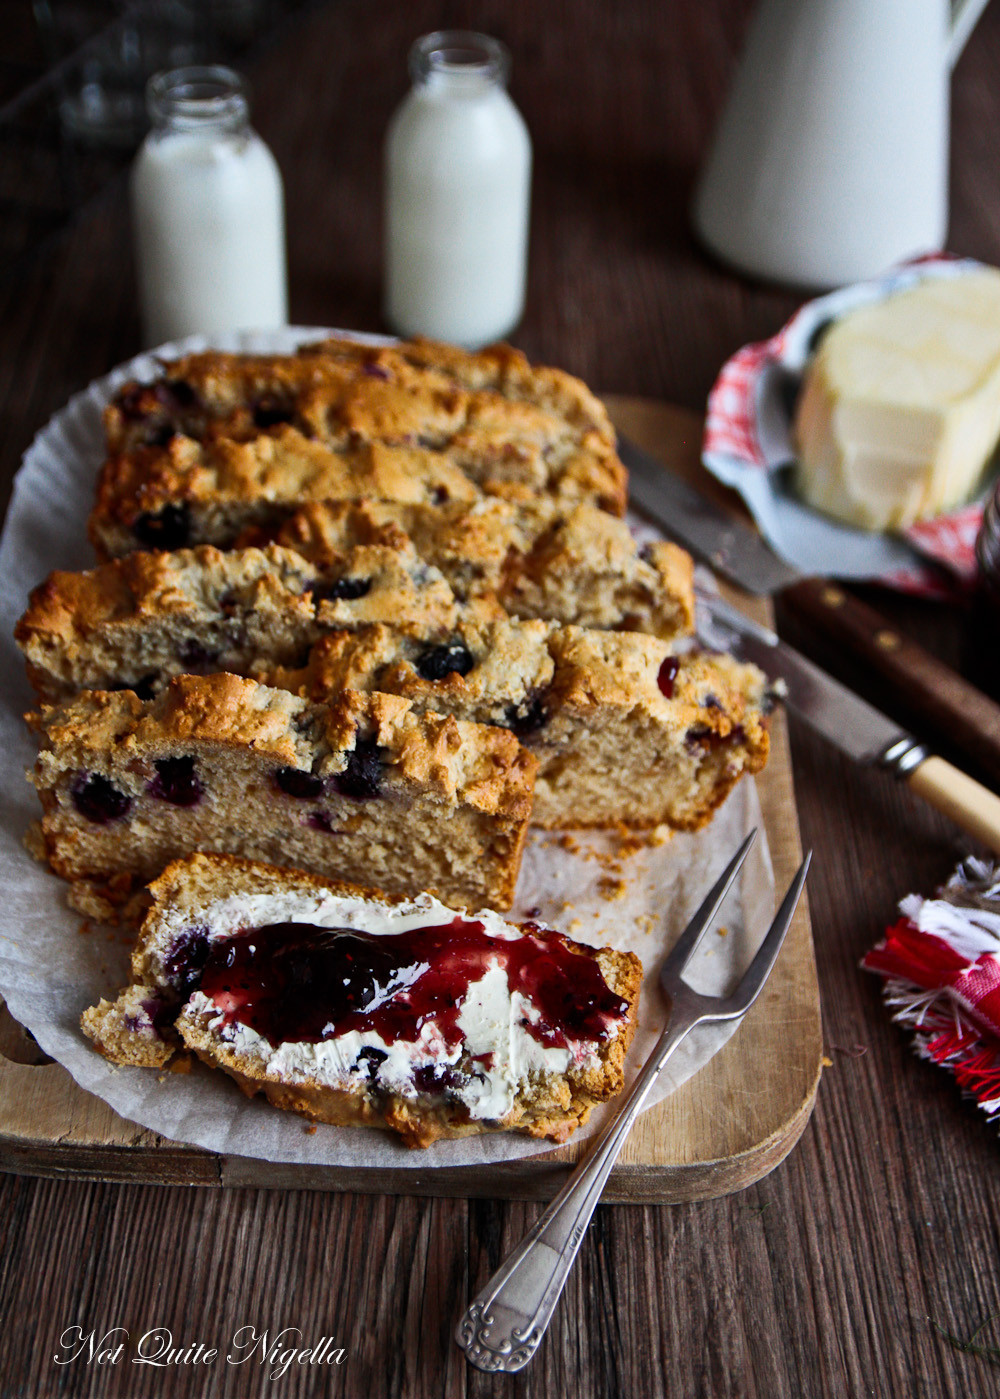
502	1328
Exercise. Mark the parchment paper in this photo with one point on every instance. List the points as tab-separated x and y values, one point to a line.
584	884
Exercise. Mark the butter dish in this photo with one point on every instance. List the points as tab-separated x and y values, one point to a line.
750	445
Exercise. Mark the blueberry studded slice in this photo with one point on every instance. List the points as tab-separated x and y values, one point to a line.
96	799
440	661
166	529
295	782
362	777
176	782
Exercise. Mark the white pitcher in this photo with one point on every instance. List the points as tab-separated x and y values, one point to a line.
830	162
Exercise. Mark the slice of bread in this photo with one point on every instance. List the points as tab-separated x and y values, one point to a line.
357	1009
624	731
361	788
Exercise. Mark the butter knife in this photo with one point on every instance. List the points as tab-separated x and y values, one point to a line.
930	692
851	724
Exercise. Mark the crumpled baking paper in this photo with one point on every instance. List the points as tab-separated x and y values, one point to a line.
580	883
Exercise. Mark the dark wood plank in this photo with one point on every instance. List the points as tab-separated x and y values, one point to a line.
833	1275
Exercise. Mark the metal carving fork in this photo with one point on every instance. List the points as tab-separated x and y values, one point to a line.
503	1327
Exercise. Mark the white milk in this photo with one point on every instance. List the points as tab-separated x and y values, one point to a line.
458	175
207	211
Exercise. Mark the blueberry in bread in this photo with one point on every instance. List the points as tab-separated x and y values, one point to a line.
358	1009
361	787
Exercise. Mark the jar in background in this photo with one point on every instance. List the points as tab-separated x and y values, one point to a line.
457	182
981	651
207	211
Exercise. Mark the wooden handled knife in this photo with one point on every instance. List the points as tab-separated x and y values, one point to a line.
936	695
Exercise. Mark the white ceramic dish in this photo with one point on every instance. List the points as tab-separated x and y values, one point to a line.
748	445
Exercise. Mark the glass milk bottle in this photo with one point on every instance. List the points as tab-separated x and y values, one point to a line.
457	179
207	211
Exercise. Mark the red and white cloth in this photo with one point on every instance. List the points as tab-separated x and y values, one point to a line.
748	440
941	968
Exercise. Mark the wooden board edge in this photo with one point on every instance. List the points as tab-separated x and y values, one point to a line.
161	1161
530	1179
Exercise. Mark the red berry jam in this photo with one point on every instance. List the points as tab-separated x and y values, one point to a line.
298	982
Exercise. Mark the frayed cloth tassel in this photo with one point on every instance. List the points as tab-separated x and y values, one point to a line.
941	967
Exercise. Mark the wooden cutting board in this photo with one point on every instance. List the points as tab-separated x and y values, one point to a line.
725	1128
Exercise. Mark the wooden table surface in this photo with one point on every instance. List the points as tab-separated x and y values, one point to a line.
861	1265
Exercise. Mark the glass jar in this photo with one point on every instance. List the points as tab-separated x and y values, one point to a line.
981	651
457	183
207	211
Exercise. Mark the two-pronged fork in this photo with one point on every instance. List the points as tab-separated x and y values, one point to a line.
504	1325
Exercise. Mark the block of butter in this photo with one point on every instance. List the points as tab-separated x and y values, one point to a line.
900	407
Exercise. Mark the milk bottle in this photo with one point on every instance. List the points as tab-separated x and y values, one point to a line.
207	211
457	178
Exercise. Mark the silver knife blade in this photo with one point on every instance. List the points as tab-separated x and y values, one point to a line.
735	550
857	728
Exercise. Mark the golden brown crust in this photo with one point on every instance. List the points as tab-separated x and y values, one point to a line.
140	619
241	440
572	564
